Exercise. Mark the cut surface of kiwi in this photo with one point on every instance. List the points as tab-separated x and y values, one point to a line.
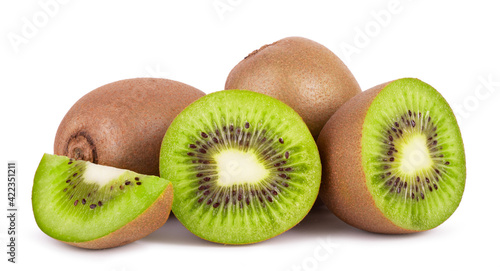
244	167
95	206
401	165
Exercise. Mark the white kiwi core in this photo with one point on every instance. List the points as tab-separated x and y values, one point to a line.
414	155
239	167
100	174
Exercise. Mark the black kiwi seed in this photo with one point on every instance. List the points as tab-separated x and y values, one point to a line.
236	137
404	126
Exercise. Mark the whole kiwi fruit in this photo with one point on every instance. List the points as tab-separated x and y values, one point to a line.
122	124
300	72
393	159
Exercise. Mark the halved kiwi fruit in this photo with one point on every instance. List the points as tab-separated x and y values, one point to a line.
393	159
244	167
94	206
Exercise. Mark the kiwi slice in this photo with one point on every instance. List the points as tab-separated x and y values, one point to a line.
244	167
94	206
393	159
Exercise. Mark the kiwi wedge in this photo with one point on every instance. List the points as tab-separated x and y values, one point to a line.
94	206
244	167
393	159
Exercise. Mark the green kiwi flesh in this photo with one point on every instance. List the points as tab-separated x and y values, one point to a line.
77	202
413	155
244	167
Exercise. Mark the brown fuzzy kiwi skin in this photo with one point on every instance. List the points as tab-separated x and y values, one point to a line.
149	221
343	187
302	73
122	124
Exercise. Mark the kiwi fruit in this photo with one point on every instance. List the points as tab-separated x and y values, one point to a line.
393	159
96	207
302	73
121	124
244	166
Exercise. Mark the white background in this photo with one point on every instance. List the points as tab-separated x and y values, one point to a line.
81	45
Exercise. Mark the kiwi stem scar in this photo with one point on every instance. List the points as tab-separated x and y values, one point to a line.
81	146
